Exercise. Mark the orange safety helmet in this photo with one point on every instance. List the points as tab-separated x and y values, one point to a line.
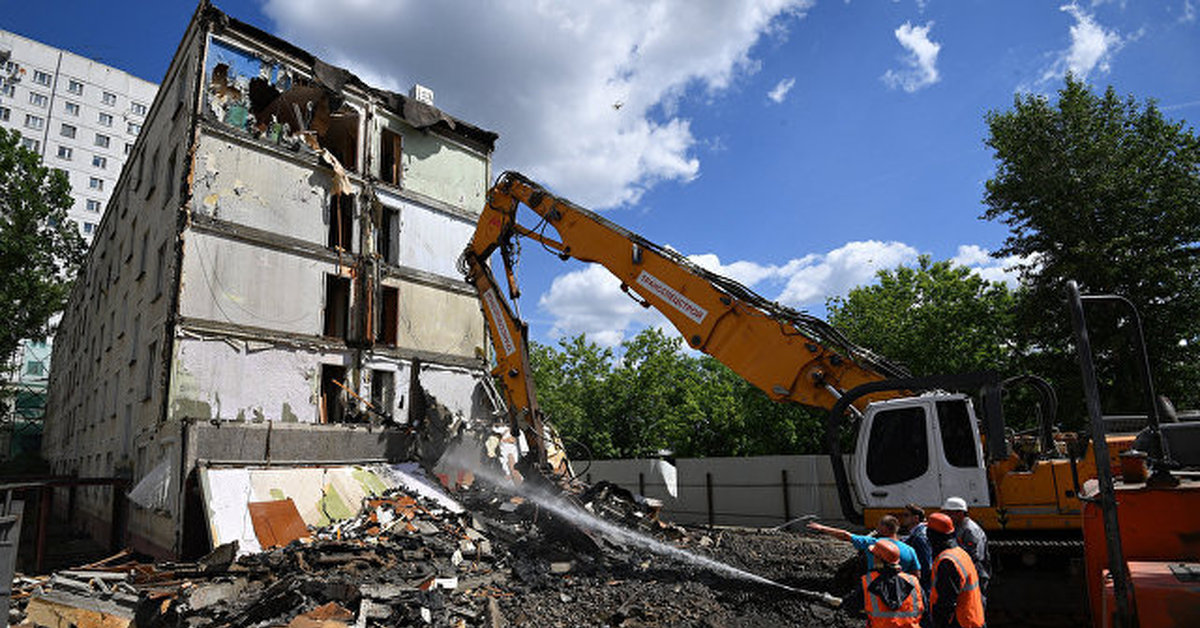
886	551
941	522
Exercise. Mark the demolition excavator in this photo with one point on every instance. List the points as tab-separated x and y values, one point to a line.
918	439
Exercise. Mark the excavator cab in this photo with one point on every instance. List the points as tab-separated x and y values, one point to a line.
919	450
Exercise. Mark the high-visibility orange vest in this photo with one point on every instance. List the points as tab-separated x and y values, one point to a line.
968	608
907	616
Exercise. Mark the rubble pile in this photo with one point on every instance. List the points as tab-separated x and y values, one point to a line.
502	560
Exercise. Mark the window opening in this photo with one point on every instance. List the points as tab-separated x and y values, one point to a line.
383	391
341	221
389	157
337	306
389	310
333	398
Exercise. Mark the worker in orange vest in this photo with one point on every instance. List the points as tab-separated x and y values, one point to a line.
956	601
891	598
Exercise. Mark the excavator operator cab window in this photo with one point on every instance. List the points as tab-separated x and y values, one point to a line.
898	450
958	439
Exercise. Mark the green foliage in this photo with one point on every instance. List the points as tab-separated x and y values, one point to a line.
1106	191
656	396
935	319
40	251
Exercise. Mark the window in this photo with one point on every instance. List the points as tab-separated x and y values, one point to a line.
109	99
105	119
162	270
142	257
152	178
34	122
41	78
64	152
134	345
170	187
7	89
35	367
898	450
37	100
332	409
133	128
387	242
958	439
150	355
96	183
75	87
88	228
99	162
389	309
67	130
71	108
93	206
101	140
5	114
389	157
341	225
383	391
137	108
337	306
128	148
31	144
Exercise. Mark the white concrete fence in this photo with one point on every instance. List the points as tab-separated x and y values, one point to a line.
759	492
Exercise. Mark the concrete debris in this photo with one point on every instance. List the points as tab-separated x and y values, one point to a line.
407	559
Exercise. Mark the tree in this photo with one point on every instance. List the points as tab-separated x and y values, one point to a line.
40	251
1106	191
936	318
655	396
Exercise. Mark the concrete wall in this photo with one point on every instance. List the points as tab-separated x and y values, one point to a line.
744	491
239	283
436	167
261	189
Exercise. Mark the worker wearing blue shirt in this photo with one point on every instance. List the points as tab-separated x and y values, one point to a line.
887	528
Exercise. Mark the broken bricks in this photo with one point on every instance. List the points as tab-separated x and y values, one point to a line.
406	560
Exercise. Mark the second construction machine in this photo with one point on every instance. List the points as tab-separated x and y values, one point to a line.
915	442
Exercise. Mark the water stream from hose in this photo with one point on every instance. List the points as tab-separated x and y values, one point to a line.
589	521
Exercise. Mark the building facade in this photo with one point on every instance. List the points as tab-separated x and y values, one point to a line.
275	278
81	116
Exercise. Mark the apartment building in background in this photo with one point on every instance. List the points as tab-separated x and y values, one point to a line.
278	258
81	116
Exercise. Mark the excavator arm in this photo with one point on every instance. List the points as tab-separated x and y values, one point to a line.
790	355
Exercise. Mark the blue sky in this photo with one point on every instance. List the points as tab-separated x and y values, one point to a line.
796	145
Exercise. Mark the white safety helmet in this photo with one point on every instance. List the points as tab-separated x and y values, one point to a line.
955	504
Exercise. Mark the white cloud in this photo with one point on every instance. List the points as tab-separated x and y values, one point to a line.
981	261
781	89
590	300
1092	47
920	64
585	94
1188	15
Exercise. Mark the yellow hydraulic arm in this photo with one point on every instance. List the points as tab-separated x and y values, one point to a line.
790	355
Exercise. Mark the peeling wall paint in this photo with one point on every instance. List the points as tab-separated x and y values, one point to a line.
235	380
260	190
233	282
435	320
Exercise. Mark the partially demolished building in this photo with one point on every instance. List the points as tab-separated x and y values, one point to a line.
275	275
